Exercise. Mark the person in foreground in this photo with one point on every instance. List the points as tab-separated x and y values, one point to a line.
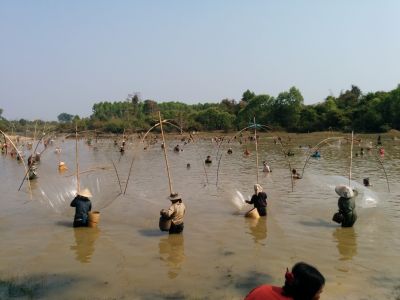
175	212
82	206
259	199
304	282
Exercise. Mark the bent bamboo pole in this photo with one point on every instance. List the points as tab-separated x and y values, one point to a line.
165	155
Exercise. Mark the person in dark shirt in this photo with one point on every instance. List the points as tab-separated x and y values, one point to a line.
82	206
347	205
259	199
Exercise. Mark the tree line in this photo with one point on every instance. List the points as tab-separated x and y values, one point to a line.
351	110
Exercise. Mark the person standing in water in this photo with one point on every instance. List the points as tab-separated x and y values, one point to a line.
347	206
304	282
259	200
266	168
82	206
295	174
175	212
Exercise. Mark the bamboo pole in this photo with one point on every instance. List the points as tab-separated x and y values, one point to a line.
384	170
351	157
255	137
116	172
34	139
29	167
165	155
315	148
23	162
129	174
287	160
77	159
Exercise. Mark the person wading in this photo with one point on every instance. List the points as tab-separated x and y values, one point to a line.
82	206
346	216
259	199
175	212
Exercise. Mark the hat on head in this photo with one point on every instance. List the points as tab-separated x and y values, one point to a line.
258	188
61	163
174	197
85	193
344	191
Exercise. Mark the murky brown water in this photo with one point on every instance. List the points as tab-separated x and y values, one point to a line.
221	255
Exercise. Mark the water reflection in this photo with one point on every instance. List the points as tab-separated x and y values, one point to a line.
346	242
258	228
172	252
84	239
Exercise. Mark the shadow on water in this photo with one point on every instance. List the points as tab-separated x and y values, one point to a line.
36	286
251	280
319	223
151	232
172	296
64	223
390	283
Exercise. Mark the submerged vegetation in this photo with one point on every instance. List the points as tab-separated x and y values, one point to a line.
351	110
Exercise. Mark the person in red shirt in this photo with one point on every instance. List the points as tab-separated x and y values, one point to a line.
305	282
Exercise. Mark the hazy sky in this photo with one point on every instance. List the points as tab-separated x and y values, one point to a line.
64	56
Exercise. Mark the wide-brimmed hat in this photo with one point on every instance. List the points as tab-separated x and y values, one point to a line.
174	197
344	191
85	193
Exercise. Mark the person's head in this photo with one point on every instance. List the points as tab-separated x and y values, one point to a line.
257	188
174	198
304	282
345	191
294	171
85	193
187	165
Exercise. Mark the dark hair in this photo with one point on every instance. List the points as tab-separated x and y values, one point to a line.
305	283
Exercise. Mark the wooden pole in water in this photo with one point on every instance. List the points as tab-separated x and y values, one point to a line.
165	155
351	157
23	162
255	137
77	159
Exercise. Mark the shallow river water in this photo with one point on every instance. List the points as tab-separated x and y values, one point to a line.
221	254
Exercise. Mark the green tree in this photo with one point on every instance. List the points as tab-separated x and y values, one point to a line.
259	107
149	107
214	119
287	108
247	96
65	118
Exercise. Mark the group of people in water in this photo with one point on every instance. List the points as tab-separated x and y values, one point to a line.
303	281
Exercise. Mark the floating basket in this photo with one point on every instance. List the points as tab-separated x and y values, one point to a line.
94	217
252	214
164	224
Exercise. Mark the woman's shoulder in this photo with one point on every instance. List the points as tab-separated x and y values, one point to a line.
264	291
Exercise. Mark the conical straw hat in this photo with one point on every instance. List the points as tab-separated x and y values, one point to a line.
344	191
85	193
